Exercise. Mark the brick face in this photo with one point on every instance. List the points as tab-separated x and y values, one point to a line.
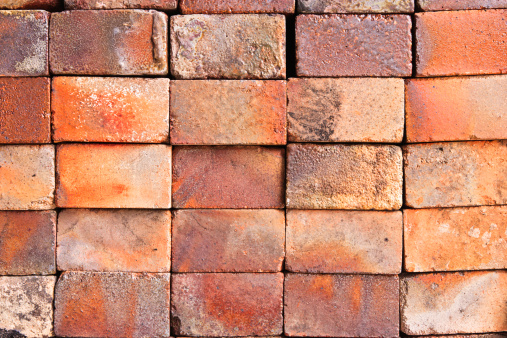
29	4
444	5
163	5
354	6
236	6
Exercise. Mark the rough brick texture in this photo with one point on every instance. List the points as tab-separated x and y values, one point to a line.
163	5
29	4
444	5
236	6
355	6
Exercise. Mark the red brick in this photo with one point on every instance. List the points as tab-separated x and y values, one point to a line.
237	6
460	108
113	176
94	109
114	240
455	174
228	177
487	335
228	240
163	5
27	242
24	110
355	6
91	304
473	40
29	4
444	5
353	45
227	304
115	42
341	305
448	303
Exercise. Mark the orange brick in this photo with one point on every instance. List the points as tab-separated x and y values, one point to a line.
356	6
163	5
29	4
237	6
94	109
473	40
445	5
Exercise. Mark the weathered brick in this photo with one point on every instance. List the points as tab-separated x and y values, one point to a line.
113	176
115	42
227	304
228	177
237	6
434	236
26	305
353	45
335	241
445	5
94	109
24	43
228	240
89	304
487	335
459	108
344	176
446	303
27	173
473	40
234	46
341	305
29	4
114	240
456	174
345	110
355	6
24	110
163	5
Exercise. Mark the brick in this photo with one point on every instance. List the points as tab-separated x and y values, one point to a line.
219	112
448	303
445	5
473	40
345	110
335	241
91	304
344	177
455	174
24	43
113	176
94	109
26	305
114	240
28	177
490	335
341	305
458	108
228	177
25	116
353	45
355	6
162	5
115	42
237	6
29	4
227	304
228	240
434	236
234	46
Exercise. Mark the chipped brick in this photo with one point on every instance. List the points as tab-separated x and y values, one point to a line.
162	5
446	5
236	6
355	6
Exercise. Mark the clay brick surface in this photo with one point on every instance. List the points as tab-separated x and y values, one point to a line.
445	303
228	240
113	176
341	305
112	305
163	5
24	43
227	304
335	241
116	42
24	110
353	45
473	40
344	177
444	5
455	174
355	6
28	177
29	4
237	6
228	177
94	109
114	240
345	110
457	108
228	46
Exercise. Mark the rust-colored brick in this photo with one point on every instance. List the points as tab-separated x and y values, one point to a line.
24	110
227	304
456	108
115	42
445	5
163	5
92	304
113	176
355	6
228	177
456	174
461	302
473	40
341	305
94	109
228	240
353	45
29	4
236	6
